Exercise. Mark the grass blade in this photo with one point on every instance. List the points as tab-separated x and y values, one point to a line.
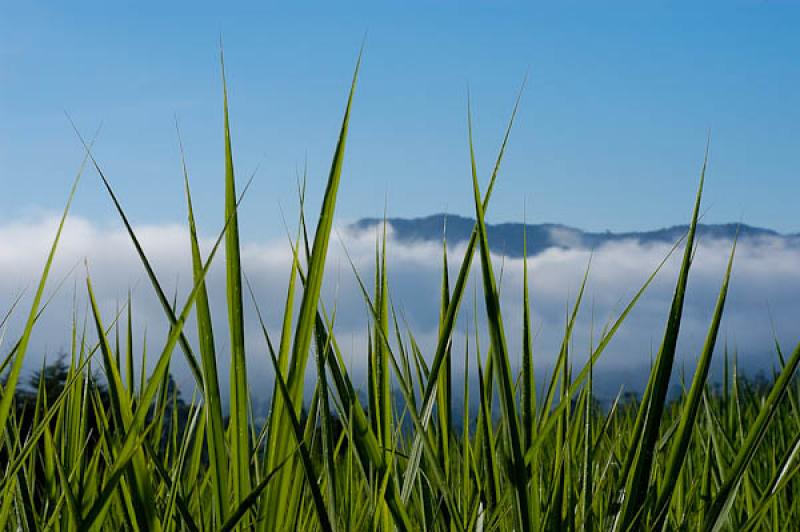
518	471
239	395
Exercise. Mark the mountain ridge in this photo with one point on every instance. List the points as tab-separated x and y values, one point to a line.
508	236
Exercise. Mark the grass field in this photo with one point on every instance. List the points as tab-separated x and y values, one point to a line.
113	453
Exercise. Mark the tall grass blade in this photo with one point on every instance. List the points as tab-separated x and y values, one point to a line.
517	470
239	395
215	431
445	336
11	381
650	414
682	437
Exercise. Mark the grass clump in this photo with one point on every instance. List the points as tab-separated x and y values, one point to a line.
127	455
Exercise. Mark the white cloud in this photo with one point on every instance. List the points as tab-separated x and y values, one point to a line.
766	276
565	237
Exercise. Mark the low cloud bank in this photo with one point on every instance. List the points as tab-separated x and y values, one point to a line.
764	297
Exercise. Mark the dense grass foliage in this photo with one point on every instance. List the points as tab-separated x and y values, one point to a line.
124	452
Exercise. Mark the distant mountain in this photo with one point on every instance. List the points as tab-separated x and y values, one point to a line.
507	238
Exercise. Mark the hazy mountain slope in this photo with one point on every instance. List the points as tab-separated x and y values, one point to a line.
508	237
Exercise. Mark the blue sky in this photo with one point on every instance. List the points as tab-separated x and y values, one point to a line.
610	135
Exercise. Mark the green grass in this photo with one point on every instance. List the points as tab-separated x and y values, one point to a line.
123	453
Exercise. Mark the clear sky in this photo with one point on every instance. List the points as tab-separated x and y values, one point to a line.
611	129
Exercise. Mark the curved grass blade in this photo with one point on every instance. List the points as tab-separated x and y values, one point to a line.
518	472
10	385
162	297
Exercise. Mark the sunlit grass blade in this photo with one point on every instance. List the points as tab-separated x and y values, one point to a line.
249	501
784	473
136	427
305	459
446	328
217	455
383	377
173	483
517	470
12	379
307	315
239	395
368	451
138	478
640	456
587	484
162	297
322	353
723	499
528	398
683	435
436	471
490	481
316	267
444	394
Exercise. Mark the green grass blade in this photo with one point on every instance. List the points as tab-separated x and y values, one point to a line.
248	502
436	471
783	474
718	511
491	482
528	401
305	459
122	410
683	435
518	471
10	385
217	455
316	267
239	395
650	414
443	395
307	316
129	376
445	336
162	297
